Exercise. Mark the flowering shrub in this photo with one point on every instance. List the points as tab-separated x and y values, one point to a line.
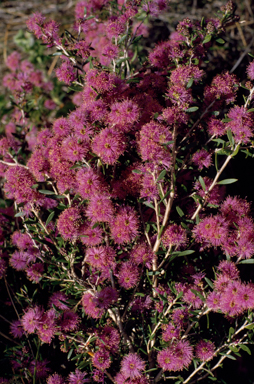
120	247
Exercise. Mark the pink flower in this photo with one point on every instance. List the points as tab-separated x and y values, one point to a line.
59	300
250	70
89	305
13	61
241	124
31	319
98	376
153	144
89	182
108	337
35	272
73	149
100	257
66	73
55	379
16	329
174	235
77	378
109	145
202	159
100	208
170	332
131	366
69	321
61	127
124	227
47	326
69	223
91	236
123	114
142	254
178	356
245	296
229	269
205	350
101	359
128	275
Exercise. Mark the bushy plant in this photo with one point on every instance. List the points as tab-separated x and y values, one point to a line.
121	252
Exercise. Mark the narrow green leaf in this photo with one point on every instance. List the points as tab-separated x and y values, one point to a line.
230	137
250	326
197	293
20	214
227	181
207	39
231	332
216	161
251	110
69	354
245	348
162	175
209	282
179	211
184	253
50	217
201	180
236	151
190	83
220	41
46	192
150	205
136	171
247	261
233	348
136	40
140	294
192	109
229	356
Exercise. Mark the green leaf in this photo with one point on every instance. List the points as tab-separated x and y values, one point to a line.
201	180
247	261
50	217
220	41
227	181
184	253
136	171
20	214
192	109
179	211
46	192
251	110
150	205
209	282
197	293
207	39
229	356
233	348
231	332
69	354
162	175
230	137
216	161
136	40
236	151
250	326
140	294
189	84
245	348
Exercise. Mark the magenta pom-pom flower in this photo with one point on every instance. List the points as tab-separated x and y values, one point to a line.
132	366
205	350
